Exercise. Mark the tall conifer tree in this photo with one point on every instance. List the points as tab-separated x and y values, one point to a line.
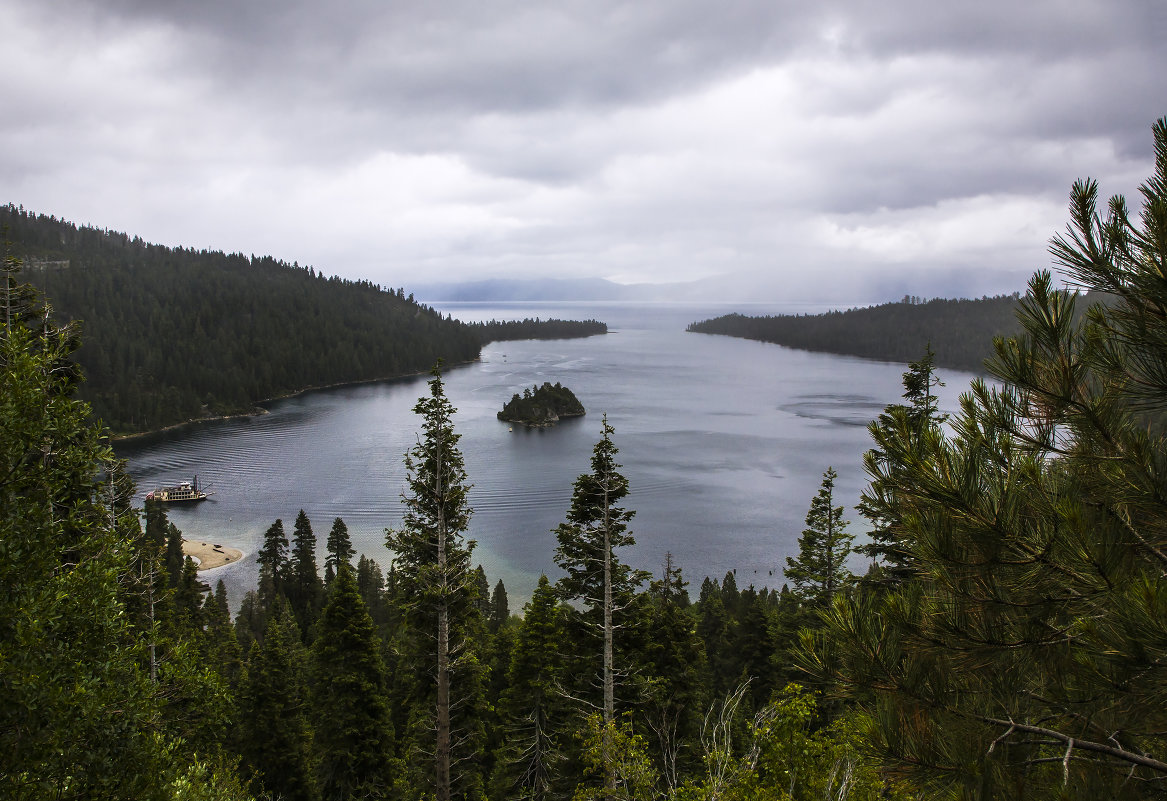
353	733
596	527
340	549
820	569
303	587
532	707
432	563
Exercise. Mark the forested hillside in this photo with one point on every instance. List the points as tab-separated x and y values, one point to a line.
961	331
172	334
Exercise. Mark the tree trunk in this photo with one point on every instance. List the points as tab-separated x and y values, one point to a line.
442	750
609	661
442	745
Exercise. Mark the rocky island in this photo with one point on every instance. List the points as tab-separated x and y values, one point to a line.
542	406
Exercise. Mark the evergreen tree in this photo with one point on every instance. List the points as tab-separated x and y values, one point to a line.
714	627
432	562
879	504
188	599
1025	657
277	737
674	673
532	707
596	578
353	733
273	565
499	608
373	590
820	569
340	549
174	555
81	715
303	586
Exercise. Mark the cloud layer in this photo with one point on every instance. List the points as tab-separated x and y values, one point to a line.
825	151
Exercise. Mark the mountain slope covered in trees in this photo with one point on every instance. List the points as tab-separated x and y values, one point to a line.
961	331
173	334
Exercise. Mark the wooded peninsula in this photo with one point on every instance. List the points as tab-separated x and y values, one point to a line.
174	334
960	331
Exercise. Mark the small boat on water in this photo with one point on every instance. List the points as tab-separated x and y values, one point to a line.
184	492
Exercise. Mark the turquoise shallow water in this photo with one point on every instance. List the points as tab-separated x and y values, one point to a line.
724	442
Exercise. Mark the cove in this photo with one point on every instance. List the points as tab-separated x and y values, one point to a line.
724	442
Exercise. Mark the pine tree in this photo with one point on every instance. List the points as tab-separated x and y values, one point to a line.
596	578
273	565
174	555
674	672
1025	657
340	549
277	737
820	569
81	713
432	563
879	504
303	586
499	608
353	733
532	707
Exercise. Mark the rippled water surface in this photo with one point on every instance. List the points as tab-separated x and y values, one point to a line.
724	442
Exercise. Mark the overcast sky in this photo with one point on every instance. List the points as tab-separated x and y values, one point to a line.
827	150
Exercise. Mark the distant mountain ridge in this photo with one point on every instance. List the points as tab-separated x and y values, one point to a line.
501	290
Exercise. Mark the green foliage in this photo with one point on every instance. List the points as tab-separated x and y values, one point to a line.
542	406
340	549
613	749
353	733
277	737
961	330
820	571
496	331
900	423
304	588
1025	658
784	756
532	707
82	716
438	588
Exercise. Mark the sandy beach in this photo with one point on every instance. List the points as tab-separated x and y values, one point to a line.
210	555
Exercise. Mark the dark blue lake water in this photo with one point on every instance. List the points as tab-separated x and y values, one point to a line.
724	442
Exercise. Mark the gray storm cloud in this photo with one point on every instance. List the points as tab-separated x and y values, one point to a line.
819	151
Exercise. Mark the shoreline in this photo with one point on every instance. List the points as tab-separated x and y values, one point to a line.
259	410
208	556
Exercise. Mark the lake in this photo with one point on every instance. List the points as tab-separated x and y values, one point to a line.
724	442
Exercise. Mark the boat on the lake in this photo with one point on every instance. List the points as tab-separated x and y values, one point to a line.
183	492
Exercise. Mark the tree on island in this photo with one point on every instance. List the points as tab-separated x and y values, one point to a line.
542	406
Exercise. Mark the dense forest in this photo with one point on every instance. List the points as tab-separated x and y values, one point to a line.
504	331
960	331
173	334
1008	641
541	405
